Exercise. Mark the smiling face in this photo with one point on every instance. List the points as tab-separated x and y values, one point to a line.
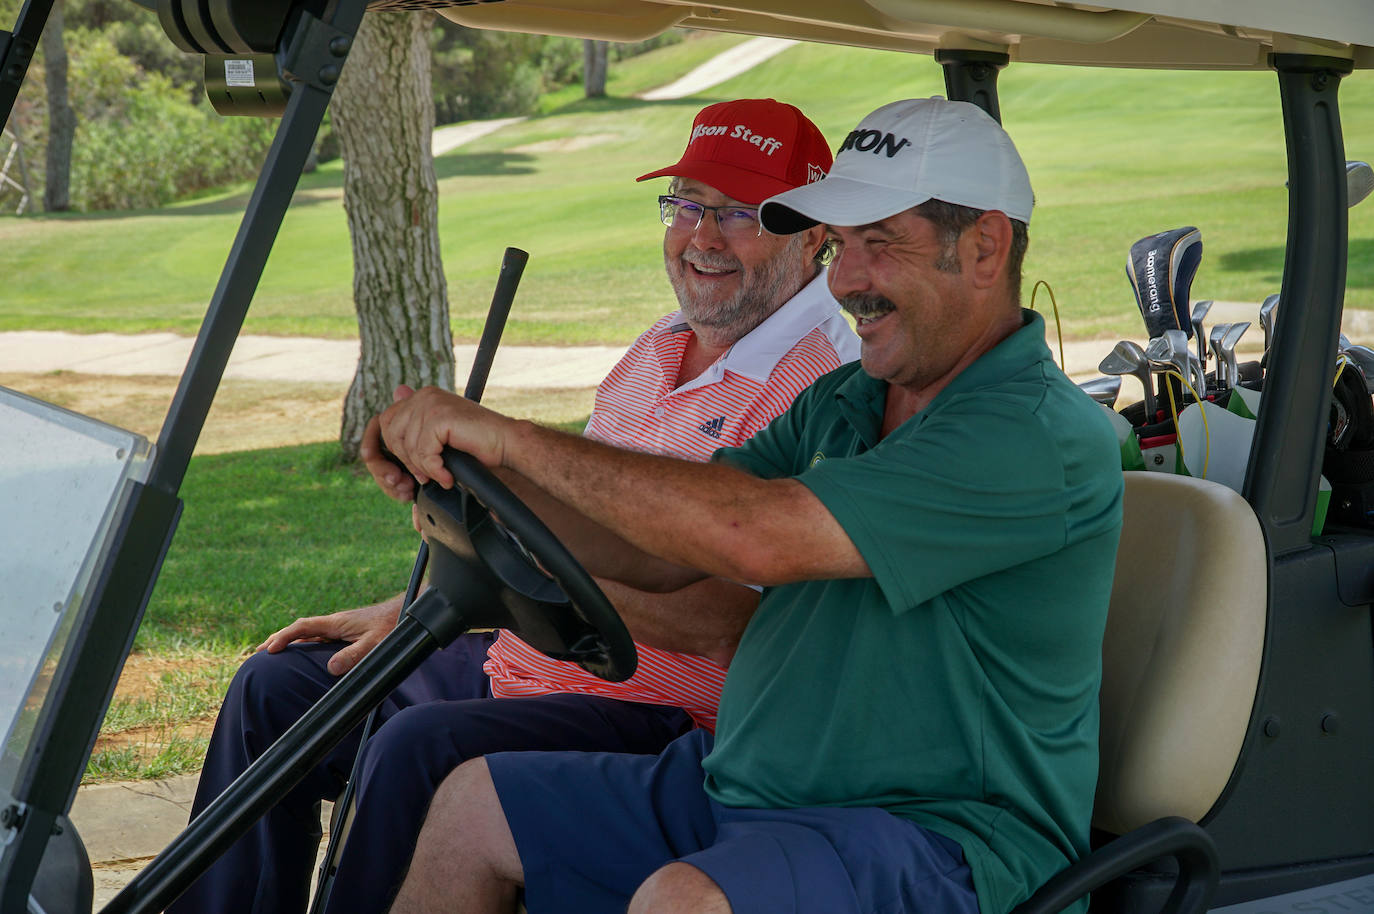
924	308
727	285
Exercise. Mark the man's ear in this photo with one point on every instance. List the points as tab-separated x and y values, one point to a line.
815	238
991	235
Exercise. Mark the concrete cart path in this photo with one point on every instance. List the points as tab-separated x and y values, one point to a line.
280	358
726	65
529	367
125	825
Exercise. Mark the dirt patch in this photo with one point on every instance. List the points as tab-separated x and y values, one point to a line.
143	673
245	414
147	742
248	415
145	680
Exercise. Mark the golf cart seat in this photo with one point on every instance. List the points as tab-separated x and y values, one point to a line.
1180	668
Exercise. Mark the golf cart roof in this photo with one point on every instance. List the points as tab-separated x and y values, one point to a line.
1170	34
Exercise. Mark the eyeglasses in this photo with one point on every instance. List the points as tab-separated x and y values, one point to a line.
685	215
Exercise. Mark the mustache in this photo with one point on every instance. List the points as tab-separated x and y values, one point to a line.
863	307
711	260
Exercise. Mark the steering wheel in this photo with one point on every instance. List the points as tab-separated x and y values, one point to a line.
492	557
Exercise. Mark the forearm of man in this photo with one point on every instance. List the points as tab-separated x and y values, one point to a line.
705	618
711	517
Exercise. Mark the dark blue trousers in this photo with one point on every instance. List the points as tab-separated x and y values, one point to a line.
441	716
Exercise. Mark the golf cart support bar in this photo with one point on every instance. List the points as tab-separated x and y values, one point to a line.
431	623
16	52
971	76
312	58
1281	478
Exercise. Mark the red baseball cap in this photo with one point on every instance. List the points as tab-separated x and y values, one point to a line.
752	149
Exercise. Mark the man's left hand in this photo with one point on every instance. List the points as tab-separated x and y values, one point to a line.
420	424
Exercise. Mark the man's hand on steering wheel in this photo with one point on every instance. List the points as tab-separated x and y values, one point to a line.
417	428
362	628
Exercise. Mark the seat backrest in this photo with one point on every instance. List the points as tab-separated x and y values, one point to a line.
1181	655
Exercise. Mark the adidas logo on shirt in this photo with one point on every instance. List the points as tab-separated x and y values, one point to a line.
713	427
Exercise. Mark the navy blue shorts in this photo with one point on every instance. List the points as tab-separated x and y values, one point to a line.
591	827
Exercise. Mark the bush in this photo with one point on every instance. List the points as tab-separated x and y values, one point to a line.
485	74
141	143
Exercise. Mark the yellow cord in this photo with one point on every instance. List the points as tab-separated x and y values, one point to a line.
1058	328
1178	432
1342	360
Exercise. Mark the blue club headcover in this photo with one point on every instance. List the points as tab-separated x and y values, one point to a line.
1161	269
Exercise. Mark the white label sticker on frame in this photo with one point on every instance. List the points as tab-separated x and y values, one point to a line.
238	73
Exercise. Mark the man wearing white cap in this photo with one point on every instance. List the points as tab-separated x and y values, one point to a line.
910	719
755	326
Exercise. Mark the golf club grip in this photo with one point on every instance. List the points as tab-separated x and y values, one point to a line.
512	267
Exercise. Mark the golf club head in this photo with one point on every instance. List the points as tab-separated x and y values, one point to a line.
1157	351
1103	390
1161	269
1169	353
1359	182
1178	350
1363	357
1199	314
1197	375
1228	349
1127	357
1266	316
1214	340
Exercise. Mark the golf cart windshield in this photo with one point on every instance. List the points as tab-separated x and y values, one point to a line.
63	490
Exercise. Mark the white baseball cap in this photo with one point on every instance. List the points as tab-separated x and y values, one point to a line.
904	154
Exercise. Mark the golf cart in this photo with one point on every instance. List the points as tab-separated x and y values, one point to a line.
1238	697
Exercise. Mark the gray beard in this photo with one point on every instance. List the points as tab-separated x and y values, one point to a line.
758	296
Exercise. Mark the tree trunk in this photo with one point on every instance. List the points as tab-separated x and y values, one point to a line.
61	119
594	66
383	112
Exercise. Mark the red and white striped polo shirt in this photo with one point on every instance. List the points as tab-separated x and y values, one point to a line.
638	407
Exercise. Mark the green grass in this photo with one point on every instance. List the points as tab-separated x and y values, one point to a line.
1114	156
182	694
159	758
270	535
153	737
266	536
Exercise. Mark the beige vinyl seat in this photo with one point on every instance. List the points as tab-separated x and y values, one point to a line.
1180	669
1181	655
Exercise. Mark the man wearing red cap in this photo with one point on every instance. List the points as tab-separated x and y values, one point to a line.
756	324
909	722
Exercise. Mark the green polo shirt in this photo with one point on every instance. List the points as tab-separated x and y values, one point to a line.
957	687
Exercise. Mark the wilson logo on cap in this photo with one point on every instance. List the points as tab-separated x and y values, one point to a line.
767	144
814	173
874	141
